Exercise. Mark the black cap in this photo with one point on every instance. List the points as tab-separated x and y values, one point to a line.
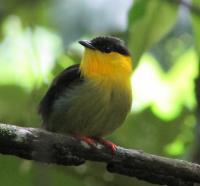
106	44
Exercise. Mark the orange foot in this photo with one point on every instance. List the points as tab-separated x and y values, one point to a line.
87	139
111	146
92	141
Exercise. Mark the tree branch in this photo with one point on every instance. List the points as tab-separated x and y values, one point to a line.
40	145
193	7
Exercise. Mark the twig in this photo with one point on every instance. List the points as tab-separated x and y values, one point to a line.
194	8
40	145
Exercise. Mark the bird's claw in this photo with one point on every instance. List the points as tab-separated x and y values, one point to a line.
88	140
94	140
110	145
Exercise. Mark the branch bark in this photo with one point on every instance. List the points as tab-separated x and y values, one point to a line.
40	145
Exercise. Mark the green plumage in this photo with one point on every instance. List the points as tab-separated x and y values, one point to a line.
90	109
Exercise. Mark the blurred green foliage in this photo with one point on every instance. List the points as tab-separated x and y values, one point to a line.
39	39
149	20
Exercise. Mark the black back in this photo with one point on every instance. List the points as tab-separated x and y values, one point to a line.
64	80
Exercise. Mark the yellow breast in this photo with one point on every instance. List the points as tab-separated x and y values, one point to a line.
112	68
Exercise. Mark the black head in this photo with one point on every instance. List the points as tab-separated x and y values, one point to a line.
106	44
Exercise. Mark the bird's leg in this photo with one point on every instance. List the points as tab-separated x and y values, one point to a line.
87	139
93	140
110	145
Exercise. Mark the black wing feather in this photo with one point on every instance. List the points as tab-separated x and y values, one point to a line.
64	80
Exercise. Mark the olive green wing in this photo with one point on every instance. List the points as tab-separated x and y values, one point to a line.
67	79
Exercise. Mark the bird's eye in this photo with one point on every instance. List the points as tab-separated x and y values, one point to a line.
107	49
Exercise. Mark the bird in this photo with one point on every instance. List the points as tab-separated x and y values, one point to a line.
91	100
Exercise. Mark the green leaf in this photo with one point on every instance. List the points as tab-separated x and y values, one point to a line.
166	93
185	136
27	56
149	21
176	148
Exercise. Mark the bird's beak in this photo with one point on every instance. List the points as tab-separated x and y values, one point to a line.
87	44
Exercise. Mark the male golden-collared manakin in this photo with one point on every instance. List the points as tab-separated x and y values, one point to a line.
91	100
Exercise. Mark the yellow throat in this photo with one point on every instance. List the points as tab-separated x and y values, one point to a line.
111	66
